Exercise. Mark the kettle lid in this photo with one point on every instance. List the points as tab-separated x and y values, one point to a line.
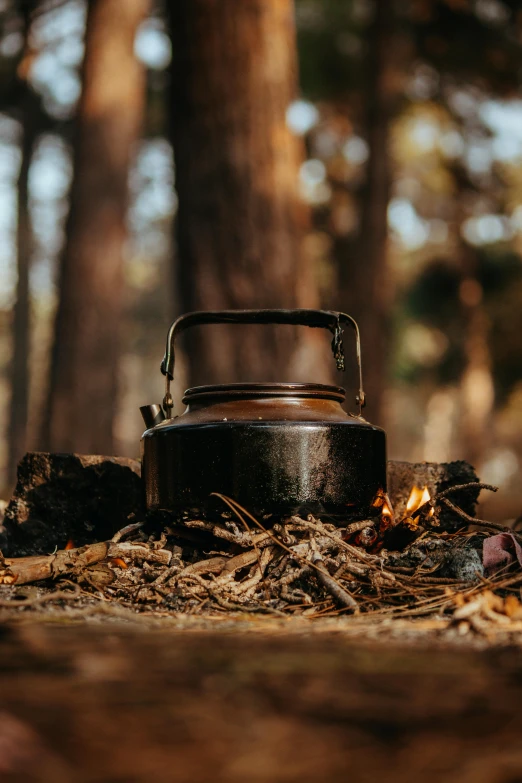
245	391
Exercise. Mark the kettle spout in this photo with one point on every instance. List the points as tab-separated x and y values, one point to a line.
152	415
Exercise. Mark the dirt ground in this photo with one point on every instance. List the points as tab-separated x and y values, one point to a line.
255	700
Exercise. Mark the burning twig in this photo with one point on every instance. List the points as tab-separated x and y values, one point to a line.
430	505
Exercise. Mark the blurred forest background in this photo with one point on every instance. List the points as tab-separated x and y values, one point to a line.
199	154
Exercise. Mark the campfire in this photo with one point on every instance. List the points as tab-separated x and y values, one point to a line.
418	497
416	562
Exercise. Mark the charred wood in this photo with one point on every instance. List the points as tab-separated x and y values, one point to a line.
437	477
59	497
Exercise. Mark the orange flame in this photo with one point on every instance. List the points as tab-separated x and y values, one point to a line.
387	510
387	514
417	499
70	544
118	562
382	501
383	508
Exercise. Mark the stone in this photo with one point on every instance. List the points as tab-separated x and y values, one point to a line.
463	564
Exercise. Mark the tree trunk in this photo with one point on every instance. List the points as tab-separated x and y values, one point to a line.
240	224
363	282
476	386
19	407
476	391
83	385
17	436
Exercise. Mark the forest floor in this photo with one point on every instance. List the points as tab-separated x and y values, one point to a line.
232	652
99	693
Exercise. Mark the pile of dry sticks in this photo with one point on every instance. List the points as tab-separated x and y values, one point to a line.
294	566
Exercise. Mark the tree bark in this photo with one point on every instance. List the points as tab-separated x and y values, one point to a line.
83	385
363	281
240	223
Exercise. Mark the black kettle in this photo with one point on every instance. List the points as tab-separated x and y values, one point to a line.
275	448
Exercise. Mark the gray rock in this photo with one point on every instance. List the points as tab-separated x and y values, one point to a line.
464	564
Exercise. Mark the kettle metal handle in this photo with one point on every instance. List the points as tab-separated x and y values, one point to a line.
326	319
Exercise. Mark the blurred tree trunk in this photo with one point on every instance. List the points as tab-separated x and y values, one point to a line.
83	384
21	314
364	280
240	224
477	391
29	116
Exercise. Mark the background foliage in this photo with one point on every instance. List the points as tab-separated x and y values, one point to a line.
445	76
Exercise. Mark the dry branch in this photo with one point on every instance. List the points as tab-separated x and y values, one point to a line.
340	595
297	566
23	570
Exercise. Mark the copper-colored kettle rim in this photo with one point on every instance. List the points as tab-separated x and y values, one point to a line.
231	391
